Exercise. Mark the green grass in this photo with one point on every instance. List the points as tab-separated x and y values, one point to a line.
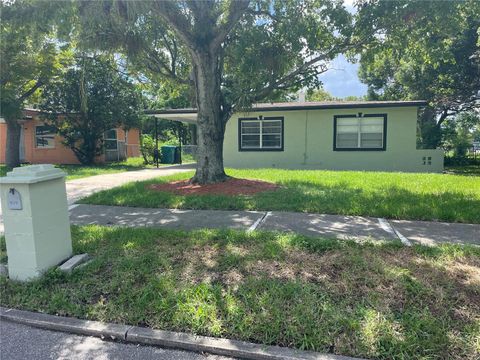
81	171
452	198
381	301
3	170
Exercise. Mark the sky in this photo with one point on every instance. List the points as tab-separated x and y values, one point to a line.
342	79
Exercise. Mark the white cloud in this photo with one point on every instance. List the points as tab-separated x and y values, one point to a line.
342	79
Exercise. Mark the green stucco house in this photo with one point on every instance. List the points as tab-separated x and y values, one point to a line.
374	135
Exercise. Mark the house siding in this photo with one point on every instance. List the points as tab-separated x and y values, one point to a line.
308	143
61	154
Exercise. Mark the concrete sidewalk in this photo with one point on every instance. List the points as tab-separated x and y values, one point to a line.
321	225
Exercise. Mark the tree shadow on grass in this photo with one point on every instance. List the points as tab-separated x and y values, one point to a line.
303	196
376	301
392	202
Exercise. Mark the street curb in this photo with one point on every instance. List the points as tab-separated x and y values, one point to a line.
61	323
170	339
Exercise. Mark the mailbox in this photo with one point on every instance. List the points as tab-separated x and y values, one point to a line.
35	214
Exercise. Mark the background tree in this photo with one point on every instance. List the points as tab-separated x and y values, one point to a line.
234	53
319	95
161	95
323	95
422	50
459	133
31	53
91	98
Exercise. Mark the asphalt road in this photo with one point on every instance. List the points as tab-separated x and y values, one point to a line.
20	342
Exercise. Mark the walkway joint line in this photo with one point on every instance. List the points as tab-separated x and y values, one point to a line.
259	222
385	225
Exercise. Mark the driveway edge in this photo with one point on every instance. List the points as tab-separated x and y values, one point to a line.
170	339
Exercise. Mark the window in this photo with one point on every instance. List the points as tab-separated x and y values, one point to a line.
362	132
257	134
110	139
45	136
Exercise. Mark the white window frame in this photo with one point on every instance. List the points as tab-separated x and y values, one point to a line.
260	120
41	136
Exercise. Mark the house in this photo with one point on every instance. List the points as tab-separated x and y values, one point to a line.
39	144
374	135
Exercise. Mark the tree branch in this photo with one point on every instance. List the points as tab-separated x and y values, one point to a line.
161	67
40	82
235	11
301	70
262	13
170	13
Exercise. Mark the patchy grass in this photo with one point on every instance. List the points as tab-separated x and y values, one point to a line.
377	301
444	197
81	171
3	250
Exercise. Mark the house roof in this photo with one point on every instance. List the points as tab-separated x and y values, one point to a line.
190	114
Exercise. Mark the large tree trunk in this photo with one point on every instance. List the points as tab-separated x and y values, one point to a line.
12	156
210	119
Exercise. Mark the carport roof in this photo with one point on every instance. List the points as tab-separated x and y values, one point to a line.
190	114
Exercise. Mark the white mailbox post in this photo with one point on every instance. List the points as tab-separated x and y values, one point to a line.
35	213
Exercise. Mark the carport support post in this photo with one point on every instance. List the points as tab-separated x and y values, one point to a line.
156	141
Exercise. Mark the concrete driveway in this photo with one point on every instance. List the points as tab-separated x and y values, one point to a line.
79	188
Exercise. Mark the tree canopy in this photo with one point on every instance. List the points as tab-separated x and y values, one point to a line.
233	53
89	99
32	52
422	50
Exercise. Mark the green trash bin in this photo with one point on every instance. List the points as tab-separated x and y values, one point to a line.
171	154
168	154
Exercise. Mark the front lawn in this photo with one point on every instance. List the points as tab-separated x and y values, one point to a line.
81	171
445	197
380	301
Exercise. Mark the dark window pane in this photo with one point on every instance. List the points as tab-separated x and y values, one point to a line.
45	136
271	141
371	140
111	134
347	140
270	127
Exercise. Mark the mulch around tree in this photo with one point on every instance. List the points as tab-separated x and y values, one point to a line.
232	186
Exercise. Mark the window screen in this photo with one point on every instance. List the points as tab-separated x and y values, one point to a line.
360	132
261	134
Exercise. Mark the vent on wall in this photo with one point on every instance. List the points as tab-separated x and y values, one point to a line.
427	160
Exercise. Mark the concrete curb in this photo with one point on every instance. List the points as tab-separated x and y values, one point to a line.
146	336
61	323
